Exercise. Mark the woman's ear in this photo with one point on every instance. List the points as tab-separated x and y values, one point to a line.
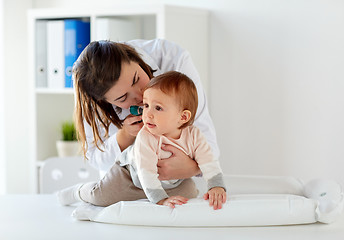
185	117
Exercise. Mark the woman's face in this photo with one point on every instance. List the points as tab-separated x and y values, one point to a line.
128	90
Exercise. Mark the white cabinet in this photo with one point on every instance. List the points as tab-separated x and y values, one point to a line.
49	107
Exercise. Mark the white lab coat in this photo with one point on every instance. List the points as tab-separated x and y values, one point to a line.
163	56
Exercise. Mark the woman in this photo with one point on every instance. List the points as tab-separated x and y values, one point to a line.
109	78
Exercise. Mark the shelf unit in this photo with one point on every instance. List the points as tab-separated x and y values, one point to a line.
49	107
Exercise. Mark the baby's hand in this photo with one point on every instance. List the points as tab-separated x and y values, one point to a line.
216	196
172	201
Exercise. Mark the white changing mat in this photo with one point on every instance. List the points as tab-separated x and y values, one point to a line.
259	209
240	210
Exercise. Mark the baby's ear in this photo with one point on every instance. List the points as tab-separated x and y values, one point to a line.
185	117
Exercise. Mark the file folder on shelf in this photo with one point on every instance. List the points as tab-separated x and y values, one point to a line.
76	38
55	54
118	29
41	54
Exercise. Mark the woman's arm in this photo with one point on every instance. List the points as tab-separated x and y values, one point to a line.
102	159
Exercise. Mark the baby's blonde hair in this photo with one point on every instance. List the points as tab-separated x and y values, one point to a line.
181	87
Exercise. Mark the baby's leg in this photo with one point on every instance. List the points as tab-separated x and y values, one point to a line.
186	189
116	186
70	195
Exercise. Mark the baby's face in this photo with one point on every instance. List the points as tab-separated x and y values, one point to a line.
161	113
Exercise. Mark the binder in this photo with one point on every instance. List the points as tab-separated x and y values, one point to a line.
118	29
55	54
76	38
41	53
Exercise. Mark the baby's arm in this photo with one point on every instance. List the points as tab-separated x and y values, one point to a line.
217	196
211	171
172	201
146	159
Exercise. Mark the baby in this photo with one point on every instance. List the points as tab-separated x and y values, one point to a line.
169	108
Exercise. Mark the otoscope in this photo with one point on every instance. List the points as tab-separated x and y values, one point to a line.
136	110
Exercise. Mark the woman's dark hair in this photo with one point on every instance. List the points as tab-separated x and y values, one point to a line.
97	69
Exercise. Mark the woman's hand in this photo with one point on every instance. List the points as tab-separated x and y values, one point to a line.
172	201
132	125
177	166
217	196
127	134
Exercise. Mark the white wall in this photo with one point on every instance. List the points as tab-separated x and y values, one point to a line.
2	109
16	96
278	67
277	84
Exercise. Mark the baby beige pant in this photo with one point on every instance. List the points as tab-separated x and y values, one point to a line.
117	186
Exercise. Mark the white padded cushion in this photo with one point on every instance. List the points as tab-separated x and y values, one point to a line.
252	201
240	210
